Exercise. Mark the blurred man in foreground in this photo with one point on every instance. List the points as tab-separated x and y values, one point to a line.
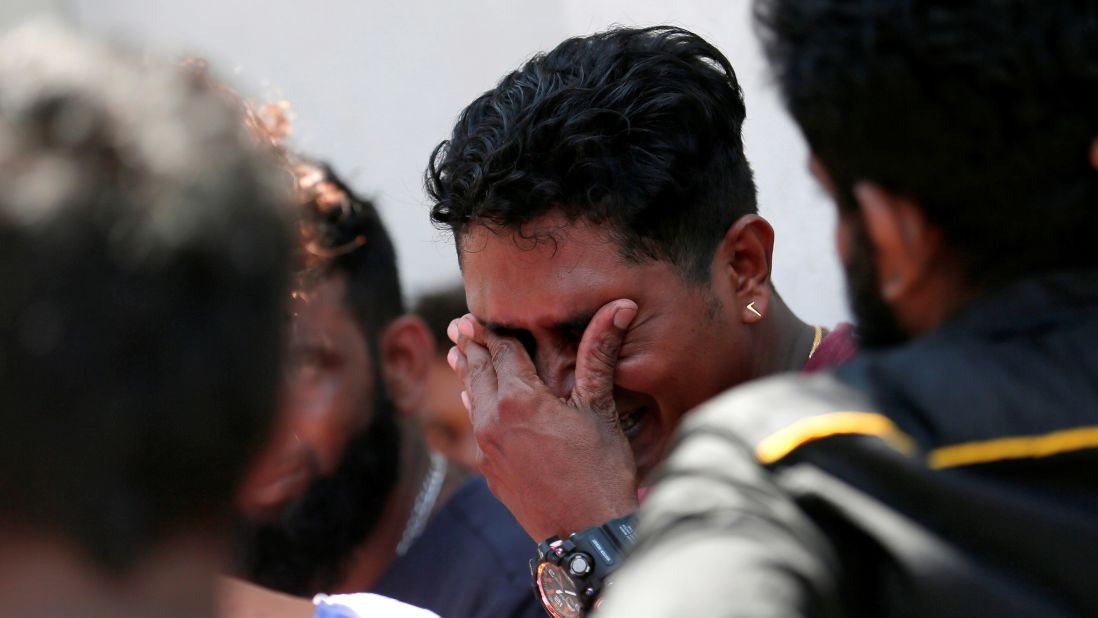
143	254
950	471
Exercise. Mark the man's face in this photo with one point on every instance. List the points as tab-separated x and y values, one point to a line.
323	481
874	318
327	398
543	293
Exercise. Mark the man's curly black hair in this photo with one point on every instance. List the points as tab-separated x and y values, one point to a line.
983	111
639	129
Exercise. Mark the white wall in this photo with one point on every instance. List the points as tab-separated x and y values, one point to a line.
13	12
376	85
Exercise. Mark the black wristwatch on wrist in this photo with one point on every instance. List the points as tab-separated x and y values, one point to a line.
570	574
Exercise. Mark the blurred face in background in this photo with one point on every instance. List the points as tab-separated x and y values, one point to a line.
327	398
324	479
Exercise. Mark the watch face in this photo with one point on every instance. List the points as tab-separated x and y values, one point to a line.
558	592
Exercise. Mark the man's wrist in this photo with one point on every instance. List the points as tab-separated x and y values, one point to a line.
571	573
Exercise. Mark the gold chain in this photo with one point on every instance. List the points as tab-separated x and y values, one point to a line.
816	341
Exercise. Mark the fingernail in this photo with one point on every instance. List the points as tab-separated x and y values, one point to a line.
623	317
465	325
452	358
465	401
452	331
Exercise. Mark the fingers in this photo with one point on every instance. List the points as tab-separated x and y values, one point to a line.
458	363
473	364
510	359
597	356
456	359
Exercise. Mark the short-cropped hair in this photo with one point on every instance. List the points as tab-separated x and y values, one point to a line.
983	112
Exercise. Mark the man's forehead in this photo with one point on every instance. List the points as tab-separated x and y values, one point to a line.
507	303
552	272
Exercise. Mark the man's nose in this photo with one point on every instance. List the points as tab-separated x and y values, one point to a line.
558	370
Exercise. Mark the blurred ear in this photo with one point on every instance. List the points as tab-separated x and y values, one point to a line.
744	258
905	243
1094	154
406	350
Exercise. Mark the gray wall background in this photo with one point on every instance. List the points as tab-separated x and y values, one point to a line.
374	86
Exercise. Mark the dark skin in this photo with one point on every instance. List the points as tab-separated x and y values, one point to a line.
43	574
239	599
406	349
326	397
578	364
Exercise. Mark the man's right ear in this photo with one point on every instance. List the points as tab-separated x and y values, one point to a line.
904	243
744	259
1094	154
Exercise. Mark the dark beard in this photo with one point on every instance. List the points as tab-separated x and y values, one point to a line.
875	322
306	551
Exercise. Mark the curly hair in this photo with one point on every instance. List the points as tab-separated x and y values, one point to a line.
636	128
984	112
340	232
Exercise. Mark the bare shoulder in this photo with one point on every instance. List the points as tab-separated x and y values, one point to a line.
240	599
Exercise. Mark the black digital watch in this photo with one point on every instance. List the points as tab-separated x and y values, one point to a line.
570	574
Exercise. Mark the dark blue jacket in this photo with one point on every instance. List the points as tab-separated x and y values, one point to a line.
472	561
